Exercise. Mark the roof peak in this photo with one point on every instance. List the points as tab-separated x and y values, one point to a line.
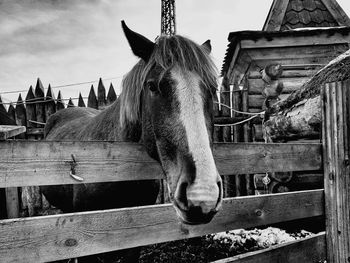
291	14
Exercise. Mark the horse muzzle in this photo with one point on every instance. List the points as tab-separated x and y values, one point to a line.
198	203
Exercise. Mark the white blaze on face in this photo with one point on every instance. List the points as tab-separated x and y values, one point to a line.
192	117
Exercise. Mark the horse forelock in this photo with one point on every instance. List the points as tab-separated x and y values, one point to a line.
169	52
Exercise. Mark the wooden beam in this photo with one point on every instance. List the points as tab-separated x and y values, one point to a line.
49	163
290	41
337	12
276	14
336	138
323	51
310	249
8	131
48	238
290	84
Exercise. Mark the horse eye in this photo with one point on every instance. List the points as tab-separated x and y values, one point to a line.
152	86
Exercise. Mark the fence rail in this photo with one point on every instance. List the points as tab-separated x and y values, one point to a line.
47	238
28	163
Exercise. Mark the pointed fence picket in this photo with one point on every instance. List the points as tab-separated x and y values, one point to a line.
33	112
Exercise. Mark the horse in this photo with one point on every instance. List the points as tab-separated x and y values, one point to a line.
166	104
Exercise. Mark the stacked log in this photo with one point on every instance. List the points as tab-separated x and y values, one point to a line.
299	115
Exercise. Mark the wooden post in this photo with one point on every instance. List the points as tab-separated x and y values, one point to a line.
249	178
335	141
50	105
59	104
21	115
111	95
81	102
225	98
92	100
70	103
40	105
101	95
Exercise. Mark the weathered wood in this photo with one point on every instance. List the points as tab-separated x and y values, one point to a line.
30	108
336	138
70	103
48	162
12	202
295	52
289	85
59	103
275	16
8	131
40	105
21	115
249	185
303	104
287	73
257	101
81	102
101	95
48	238
303	120
5	118
11	112
92	100
50	105
295	40
310	249
111	95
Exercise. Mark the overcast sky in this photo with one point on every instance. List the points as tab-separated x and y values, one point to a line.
71	41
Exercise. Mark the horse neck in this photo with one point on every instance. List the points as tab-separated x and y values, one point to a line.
107	124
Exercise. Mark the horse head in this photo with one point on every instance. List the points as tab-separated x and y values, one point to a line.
176	82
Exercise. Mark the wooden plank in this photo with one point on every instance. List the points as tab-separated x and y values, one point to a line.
92	100
288	73
101	95
59	103
5	118
49	163
50	105
111	95
81	102
21	115
47	238
11	112
310	249
12	202
257	101
276	15
40	105
8	131
328	51
70	103
290	84
295	40
336	138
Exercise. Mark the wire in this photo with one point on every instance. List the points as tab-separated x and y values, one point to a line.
236	123
241	112
63	86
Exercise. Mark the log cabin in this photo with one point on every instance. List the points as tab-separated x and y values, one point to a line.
301	37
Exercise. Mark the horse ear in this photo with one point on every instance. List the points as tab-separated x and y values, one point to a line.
140	46
207	46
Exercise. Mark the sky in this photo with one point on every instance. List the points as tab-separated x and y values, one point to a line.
73	41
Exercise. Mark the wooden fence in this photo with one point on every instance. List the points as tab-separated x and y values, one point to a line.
47	238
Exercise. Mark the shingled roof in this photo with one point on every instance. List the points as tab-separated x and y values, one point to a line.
291	14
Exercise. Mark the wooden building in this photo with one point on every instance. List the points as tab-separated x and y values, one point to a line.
300	36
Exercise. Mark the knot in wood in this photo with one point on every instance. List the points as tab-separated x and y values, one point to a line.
258	212
71	242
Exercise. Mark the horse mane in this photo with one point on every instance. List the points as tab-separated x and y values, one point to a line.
169	51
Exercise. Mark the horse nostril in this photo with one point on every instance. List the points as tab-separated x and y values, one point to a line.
181	196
